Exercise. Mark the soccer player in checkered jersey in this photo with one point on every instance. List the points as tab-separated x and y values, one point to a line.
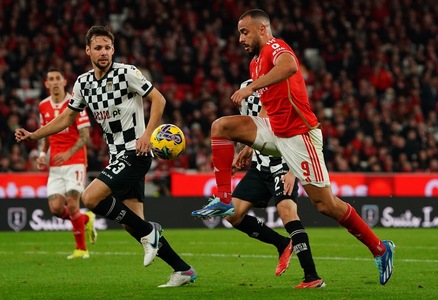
263	181
67	163
292	131
114	93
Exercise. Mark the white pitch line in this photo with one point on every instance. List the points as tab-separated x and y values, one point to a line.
219	255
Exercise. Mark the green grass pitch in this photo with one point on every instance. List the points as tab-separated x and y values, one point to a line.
230	265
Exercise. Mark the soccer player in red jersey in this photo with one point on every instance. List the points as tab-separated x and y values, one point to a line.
67	163
291	130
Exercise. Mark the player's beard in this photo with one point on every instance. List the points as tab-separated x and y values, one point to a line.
102	66
254	48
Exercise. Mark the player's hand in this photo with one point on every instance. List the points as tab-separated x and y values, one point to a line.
243	158
22	134
61	158
41	162
143	146
241	94
288	182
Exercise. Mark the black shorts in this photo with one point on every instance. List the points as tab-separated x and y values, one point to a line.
125	176
260	187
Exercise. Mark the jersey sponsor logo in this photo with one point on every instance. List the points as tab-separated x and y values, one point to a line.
115	112
107	114
101	115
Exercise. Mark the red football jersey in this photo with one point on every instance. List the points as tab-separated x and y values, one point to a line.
279	99
65	139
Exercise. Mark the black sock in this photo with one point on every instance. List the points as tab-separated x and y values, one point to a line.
115	210
301	247
258	230
167	254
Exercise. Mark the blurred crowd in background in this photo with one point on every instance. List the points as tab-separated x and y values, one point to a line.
371	68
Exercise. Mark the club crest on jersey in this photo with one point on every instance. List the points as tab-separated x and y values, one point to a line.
109	86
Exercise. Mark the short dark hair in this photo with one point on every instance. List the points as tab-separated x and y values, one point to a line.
55	69
98	30
256	14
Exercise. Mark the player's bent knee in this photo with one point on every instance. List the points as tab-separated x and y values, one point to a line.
219	127
287	211
234	219
88	200
73	194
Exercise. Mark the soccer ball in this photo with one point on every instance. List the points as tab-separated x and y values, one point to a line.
168	141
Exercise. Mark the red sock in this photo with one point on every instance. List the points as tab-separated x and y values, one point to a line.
223	155
78	222
357	227
65	214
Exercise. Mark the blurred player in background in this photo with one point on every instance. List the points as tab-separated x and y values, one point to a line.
67	163
269	178
114	93
292	132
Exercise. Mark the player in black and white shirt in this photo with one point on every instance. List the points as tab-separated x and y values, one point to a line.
267	178
116	102
115	93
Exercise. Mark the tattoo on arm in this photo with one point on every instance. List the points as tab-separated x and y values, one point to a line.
239	147
84	135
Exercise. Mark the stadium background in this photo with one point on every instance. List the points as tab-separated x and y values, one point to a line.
370	67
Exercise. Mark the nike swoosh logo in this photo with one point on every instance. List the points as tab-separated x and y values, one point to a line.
157	237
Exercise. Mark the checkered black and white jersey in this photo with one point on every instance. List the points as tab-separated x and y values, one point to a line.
252	106
116	102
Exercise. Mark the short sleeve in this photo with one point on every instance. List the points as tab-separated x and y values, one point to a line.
77	101
138	82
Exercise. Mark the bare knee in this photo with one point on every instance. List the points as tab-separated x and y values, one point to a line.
287	211
72	199
219	128
234	219
56	205
88	200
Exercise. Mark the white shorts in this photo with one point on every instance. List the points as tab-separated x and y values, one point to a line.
66	178
302	153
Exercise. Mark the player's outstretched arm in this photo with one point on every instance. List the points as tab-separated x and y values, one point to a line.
65	119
